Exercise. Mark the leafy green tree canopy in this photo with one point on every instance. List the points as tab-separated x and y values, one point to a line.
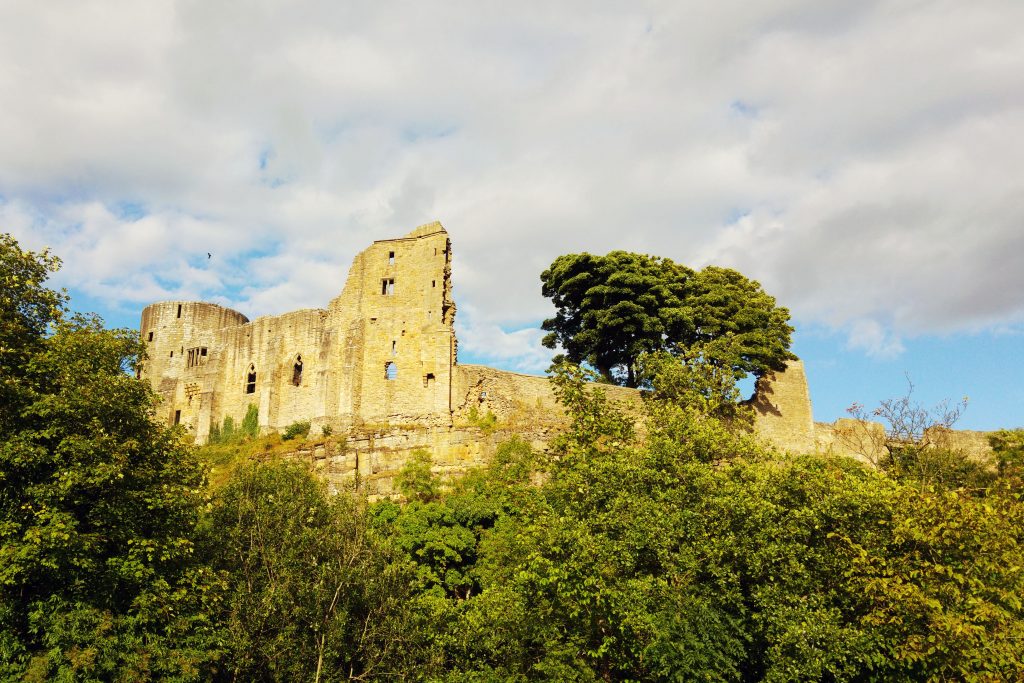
611	309
98	503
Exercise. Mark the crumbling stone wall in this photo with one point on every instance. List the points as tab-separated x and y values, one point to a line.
782	406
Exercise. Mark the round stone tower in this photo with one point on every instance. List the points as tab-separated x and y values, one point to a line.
181	338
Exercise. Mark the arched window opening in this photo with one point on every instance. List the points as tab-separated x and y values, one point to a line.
250	380
297	372
390	370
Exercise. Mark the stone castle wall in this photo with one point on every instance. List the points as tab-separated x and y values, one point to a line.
379	365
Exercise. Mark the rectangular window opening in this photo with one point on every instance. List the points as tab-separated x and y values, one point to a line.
428	379
150	337
387	286
433	283
172	354
394	348
177	417
179	310
391	258
196	356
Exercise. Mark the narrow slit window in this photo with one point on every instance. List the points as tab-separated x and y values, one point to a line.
390	371
179	310
387	286
391	258
177	417
297	372
150	337
394	348
250	380
172	354
433	283
428	379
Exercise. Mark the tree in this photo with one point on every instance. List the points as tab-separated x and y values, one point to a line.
312	595
612	309
27	309
98	503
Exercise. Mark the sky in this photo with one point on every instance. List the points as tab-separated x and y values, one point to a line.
861	159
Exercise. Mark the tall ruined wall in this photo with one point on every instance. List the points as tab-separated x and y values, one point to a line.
782	405
280	364
394	320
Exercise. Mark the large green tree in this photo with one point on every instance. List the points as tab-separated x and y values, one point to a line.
98	503
612	309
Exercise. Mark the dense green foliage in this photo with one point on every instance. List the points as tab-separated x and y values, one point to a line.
99	578
675	549
311	595
610	310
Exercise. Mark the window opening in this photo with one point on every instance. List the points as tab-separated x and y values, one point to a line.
428	379
391	258
433	283
390	370
179	310
394	348
196	356
387	286
172	354
250	380
373	321
150	337
297	371
177	417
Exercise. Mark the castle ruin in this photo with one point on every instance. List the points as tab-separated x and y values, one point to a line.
380	364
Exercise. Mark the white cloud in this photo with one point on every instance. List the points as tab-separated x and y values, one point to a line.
869	149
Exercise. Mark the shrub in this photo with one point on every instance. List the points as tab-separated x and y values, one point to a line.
251	423
487	422
295	430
